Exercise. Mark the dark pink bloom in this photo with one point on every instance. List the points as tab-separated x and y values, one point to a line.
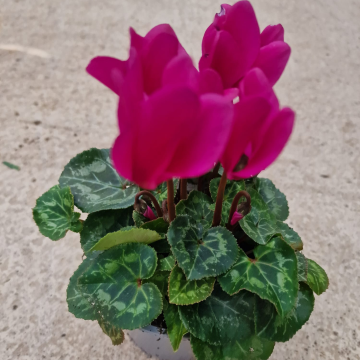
174	122
260	129
149	213
236	217
232	45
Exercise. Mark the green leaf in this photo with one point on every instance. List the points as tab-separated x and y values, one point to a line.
161	280
185	292
221	318
317	278
231	189
252	348
115	334
196	206
201	253
159	225
113	285
175	328
139	219
77	304
260	224
289	235
166	264
161	191
274	198
98	224
272	275
95	184
123	236
302	267
271	326
54	213
11	166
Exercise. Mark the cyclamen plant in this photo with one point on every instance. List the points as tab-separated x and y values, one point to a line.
217	262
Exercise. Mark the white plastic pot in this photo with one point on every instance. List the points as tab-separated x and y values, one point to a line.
158	345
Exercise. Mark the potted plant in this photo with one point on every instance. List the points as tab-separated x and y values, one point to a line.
181	234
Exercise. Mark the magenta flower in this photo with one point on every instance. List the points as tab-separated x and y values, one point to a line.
236	217
174	122
260	129
149	213
232	45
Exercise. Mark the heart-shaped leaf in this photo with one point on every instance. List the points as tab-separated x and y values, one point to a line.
221	318
77	304
54	213
175	328
260	224
274	198
302	267
201	253
317	278
197	207
98	224
159	225
95	184
167	263
123	236
231	189
113	285
271	326
272	275
252	348
185	292
161	280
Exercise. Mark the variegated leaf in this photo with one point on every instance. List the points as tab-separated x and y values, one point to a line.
54	213
159	225
197	207
272	275
95	184
77	304
113	285
201	253
114	333
167	263
175	328
98	224
302	267
289	235
139	219
185	292
161	280
161	191
260	224
126	235
252	348
274	198
231	189
221	318
271	326
317	278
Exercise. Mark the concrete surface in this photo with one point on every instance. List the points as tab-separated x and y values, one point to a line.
50	110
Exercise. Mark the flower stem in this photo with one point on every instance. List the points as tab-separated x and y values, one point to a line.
183	189
246	207
170	198
215	171
152	198
219	201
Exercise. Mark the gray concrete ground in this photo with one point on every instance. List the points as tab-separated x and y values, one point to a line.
50	110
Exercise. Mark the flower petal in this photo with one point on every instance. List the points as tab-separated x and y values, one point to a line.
181	71
236	217
149	213
206	137
276	138
249	116
210	82
109	71
272	33
272	60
